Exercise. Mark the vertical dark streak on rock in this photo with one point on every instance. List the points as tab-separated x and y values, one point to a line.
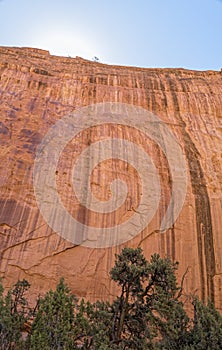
203	213
173	249
172	232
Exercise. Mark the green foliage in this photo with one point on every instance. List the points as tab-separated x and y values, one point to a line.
14	312
52	327
148	306
147	314
206	332
97	320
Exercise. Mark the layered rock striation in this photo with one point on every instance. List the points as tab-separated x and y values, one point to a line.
38	89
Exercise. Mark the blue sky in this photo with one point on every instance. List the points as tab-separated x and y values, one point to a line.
145	33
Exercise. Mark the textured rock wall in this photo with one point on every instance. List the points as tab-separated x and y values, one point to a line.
36	90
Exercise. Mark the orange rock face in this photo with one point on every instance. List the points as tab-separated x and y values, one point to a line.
36	91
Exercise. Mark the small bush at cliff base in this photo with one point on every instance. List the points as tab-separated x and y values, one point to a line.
53	324
14	314
206	332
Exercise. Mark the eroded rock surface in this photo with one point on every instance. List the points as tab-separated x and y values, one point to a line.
36	90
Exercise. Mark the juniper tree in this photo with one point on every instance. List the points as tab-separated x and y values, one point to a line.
206	332
148	307
52	328
14	313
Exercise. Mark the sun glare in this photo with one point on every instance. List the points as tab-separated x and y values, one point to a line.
65	44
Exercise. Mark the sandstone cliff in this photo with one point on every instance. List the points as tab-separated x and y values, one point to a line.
36	90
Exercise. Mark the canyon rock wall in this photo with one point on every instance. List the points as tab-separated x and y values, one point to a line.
37	90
